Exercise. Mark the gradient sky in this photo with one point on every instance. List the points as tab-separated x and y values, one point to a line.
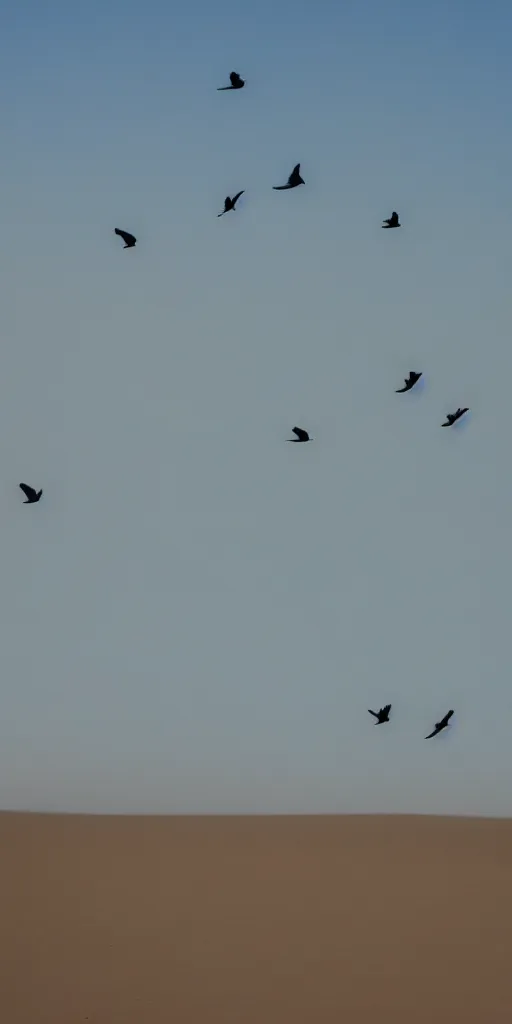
196	616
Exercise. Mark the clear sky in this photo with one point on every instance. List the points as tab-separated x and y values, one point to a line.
196	616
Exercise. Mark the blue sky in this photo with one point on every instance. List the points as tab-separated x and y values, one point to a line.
197	616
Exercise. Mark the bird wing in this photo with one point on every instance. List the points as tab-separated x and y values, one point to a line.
374	713
125	235
386	708
238	196
444	721
301	434
28	491
234	77
295	173
433	733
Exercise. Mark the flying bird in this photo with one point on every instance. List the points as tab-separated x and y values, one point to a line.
452	417
127	238
409	382
294	180
302	435
236	82
229	204
392	222
382	715
31	495
439	726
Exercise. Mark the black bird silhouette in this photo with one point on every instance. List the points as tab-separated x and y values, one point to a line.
31	495
229	204
294	180
452	417
392	222
236	82
439	726
409	381
382	715
302	435
127	238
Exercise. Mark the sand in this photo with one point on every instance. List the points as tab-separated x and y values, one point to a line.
182	920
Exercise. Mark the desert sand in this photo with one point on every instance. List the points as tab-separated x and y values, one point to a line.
354	919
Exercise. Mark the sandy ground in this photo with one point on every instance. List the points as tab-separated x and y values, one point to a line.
405	920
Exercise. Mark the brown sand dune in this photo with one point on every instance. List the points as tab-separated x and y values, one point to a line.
352	920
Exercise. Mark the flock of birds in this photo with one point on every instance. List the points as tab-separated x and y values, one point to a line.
382	716
301	436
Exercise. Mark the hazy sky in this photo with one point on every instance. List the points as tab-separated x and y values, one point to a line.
197	616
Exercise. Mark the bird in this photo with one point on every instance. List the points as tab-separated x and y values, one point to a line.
294	180
439	726
452	417
409	381
127	237
236	82
382	715
229	204
31	495
302	435
392	222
